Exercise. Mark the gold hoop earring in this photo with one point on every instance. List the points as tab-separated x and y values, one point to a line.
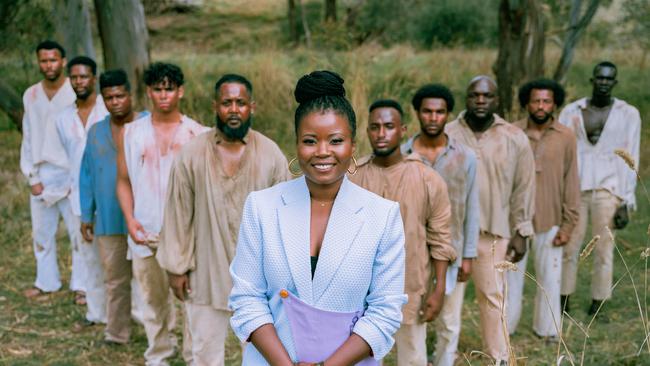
299	173
356	167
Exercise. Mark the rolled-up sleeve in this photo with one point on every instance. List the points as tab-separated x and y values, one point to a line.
439	221
522	200
386	294
176	252
471	225
248	299
86	190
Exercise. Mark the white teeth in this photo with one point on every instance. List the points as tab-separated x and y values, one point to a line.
322	166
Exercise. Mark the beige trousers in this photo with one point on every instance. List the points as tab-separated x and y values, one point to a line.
157	310
601	206
411	346
117	281
548	272
489	294
448	327
208	328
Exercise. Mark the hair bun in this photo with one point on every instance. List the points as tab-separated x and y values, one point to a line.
319	84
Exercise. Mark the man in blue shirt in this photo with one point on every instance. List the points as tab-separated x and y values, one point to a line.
101	216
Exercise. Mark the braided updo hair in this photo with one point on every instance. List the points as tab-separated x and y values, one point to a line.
322	91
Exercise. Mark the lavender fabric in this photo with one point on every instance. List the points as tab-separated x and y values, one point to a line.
319	333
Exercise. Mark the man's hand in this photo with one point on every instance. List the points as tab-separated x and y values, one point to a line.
37	189
561	239
433	305
87	231
465	270
136	231
621	217
180	284
516	248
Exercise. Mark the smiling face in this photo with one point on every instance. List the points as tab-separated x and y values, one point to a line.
82	81
324	147
165	96
385	130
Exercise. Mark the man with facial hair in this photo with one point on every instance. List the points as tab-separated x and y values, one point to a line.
42	101
66	149
208	184
557	198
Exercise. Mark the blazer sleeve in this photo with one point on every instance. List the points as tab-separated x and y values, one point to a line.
386	293
248	299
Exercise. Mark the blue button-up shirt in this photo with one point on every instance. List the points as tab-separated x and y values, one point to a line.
457	166
97	180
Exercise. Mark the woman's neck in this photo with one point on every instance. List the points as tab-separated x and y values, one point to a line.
323	192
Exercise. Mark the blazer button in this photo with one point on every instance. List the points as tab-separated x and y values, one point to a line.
284	294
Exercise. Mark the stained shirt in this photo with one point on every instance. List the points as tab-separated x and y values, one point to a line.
456	164
557	197
97	181
426	212
204	209
598	166
148	171
506	176
72	135
39	113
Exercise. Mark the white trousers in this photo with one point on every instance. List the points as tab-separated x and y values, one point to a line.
95	290
548	272
45	222
448	327
208	328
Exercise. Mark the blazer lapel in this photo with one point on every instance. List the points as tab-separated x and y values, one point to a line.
294	218
342	229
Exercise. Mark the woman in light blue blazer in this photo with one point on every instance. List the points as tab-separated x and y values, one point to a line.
334	245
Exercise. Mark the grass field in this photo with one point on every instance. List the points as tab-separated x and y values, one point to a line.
224	38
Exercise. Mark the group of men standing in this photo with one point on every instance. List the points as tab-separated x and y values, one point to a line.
153	201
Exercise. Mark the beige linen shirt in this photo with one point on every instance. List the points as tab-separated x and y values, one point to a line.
426	213
506	175
204	208
557	197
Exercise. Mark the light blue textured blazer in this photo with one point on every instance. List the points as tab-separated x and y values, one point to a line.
360	265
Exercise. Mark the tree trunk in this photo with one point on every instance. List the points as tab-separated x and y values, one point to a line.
11	103
305	26
71	20
330	10
577	26
521	48
293	24
125	40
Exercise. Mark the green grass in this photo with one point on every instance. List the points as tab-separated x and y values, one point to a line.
248	38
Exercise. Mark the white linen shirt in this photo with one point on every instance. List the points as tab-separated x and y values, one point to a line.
39	112
598	166
149	172
72	134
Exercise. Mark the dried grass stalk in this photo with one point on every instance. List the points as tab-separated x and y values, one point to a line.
506	266
589	247
629	160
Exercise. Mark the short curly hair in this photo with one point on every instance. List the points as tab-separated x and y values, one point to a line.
541	84
433	91
159	72
387	103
